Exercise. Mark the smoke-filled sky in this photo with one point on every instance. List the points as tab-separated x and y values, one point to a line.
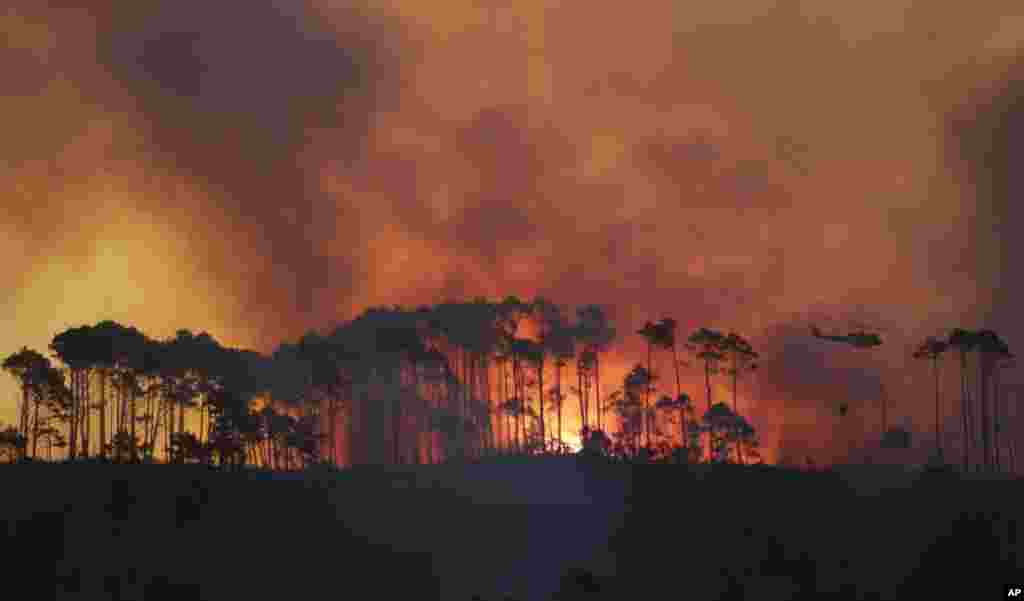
256	169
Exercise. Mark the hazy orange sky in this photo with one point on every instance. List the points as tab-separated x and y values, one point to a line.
259	168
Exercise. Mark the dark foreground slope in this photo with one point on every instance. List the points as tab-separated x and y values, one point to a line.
589	531
441	532
135	532
860	533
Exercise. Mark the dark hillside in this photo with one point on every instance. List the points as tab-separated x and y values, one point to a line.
524	529
769	533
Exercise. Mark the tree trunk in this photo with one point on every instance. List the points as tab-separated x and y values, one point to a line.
103	411
597	391
86	450
482	405
679	393
997	416
72	430
583	406
682	429
122	403
647	394
122	412
983	406
491	425
431	432
168	427
588	385
476	398
735	378
517	391
502	418
885	423
1013	455
558	400
971	424
508	377
147	417
181	428
963	410
464	388
707	385
540	396
996	425
938	436
983	433
134	399
509	418
156	415
204	419
35	429
23	413
332	428
735	404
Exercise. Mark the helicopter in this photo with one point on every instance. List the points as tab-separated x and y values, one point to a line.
860	339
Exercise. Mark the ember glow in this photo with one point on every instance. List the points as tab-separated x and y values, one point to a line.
259	170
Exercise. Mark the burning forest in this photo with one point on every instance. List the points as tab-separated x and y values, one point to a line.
276	240
467	380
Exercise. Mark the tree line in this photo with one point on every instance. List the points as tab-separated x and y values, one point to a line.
983	403
456	380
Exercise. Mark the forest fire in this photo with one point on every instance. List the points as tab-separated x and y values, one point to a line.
420	155
453	381
494	294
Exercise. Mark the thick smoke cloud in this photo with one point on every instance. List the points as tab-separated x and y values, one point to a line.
215	119
234	96
987	133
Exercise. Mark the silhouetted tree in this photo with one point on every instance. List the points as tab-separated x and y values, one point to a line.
707	344
584	373
42	385
742	358
116	351
653	334
932	349
596	332
999	406
104	336
552	326
74	348
682	404
520	349
991	350
51	390
630	407
27	367
328	363
534	353
964	341
562	344
716	422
